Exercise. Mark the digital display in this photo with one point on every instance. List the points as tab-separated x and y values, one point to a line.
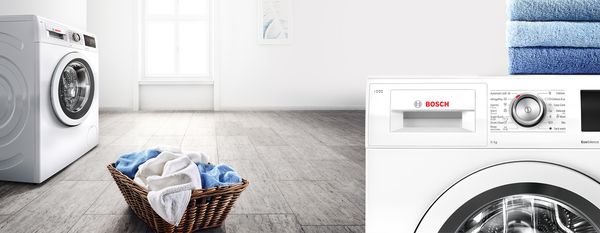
590	110
89	41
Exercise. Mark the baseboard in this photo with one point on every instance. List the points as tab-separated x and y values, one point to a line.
238	108
115	109
175	109
292	108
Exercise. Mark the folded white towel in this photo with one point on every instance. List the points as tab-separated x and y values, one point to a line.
170	179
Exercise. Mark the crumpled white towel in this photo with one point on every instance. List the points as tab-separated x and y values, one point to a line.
194	156
197	157
170	179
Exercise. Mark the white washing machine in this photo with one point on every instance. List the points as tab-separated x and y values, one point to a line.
483	154
48	97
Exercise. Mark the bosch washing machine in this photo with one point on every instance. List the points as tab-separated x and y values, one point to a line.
483	154
48	97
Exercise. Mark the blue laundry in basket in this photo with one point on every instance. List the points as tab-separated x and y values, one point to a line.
217	175
553	34
128	163
554	10
554	60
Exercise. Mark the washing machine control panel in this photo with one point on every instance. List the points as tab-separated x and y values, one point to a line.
484	112
527	111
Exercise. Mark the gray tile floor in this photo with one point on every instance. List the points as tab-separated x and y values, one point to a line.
306	168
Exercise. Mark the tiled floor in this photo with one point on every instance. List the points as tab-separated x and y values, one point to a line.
306	168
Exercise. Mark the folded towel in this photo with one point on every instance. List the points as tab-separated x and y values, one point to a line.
553	34
554	10
170	179
219	175
128	163
543	60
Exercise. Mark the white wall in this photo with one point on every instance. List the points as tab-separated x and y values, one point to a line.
69	12
338	43
113	23
176	97
116	26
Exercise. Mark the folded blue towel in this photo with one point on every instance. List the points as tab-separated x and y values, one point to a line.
554	10
553	34
219	175
544	60
128	163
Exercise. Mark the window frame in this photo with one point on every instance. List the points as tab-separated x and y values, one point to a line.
176	19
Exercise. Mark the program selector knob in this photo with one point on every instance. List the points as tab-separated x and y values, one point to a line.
76	37
528	110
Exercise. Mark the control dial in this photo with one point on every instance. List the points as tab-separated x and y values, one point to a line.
528	110
76	37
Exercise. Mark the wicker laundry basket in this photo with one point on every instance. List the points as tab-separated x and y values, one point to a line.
208	208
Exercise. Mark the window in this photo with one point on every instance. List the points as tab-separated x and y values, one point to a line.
176	39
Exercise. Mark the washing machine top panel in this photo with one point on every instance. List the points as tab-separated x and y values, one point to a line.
484	112
52	32
13	18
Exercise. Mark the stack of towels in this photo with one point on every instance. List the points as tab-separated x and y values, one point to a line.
171	175
554	36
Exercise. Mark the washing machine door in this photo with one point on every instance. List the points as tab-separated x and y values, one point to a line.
524	196
72	90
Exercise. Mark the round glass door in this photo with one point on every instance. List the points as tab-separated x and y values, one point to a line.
495	199
527	214
72	89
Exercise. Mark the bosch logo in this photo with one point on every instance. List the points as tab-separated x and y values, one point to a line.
437	104
418	104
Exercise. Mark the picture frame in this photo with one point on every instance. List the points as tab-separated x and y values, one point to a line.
275	24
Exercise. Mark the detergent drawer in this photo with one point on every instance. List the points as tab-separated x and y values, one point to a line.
412	114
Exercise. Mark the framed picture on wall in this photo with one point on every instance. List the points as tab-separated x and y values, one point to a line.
275	21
